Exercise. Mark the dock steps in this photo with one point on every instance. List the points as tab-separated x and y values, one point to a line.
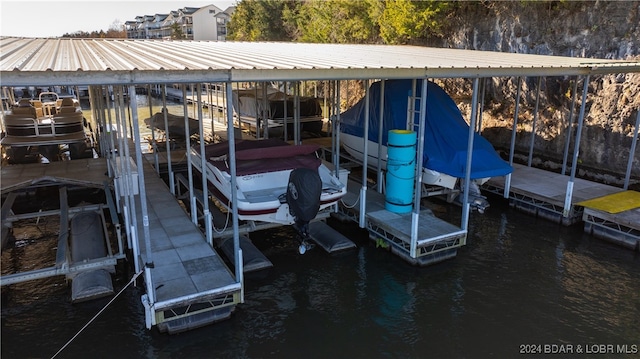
252	258
328	238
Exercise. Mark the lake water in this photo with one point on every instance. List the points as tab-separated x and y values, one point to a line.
520	285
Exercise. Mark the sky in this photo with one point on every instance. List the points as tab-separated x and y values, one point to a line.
27	18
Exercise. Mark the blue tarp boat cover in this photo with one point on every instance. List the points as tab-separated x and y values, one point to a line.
446	132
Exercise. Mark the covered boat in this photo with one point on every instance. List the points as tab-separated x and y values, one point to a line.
263	171
268	105
445	137
175	124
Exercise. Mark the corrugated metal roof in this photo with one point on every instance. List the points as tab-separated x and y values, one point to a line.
35	61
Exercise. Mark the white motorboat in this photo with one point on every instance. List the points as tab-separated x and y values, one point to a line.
263	178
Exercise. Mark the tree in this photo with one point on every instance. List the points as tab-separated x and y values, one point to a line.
260	20
405	21
335	21
338	21
176	32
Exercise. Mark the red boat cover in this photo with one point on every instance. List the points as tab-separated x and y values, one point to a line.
260	156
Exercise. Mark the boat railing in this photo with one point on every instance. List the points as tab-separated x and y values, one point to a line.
28	125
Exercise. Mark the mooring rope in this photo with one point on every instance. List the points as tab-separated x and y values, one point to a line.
100	312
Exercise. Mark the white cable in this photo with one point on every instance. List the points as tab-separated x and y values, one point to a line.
100	312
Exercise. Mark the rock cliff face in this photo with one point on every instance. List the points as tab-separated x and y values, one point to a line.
600	29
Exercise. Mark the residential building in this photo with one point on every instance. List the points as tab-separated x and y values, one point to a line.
203	23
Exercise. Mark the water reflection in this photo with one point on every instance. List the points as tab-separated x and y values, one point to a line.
519	280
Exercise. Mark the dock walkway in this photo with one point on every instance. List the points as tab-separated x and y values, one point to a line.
542	193
192	285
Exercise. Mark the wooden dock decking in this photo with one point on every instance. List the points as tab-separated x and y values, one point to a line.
543	193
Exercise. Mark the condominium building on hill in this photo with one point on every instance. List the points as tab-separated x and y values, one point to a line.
190	23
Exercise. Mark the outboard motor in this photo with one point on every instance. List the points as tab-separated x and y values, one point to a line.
476	200
303	197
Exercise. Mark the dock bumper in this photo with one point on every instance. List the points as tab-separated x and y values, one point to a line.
328	238
252	258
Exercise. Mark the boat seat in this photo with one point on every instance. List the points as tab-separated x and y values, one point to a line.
67	101
66	123
67	109
67	105
22	111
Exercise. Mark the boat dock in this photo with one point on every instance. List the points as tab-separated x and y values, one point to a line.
192	286
608	212
543	193
437	239
614	217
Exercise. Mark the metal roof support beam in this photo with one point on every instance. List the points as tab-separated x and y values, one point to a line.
130	211
514	130
632	151
172	181
399	73
143	193
380	129
363	189
192	198
231	141
481	103
417	194
203	165
574	166
266	111
71	78
336	129
285	108
153	132
467	176
569	129
296	114
533	125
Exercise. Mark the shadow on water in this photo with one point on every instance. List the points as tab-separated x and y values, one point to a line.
519	280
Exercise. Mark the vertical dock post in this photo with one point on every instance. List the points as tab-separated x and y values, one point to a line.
574	166
172	181
507	183
203	165
467	175
380	129
234	195
143	195
632	152
363	190
417	195
569	127
192	198
533	125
